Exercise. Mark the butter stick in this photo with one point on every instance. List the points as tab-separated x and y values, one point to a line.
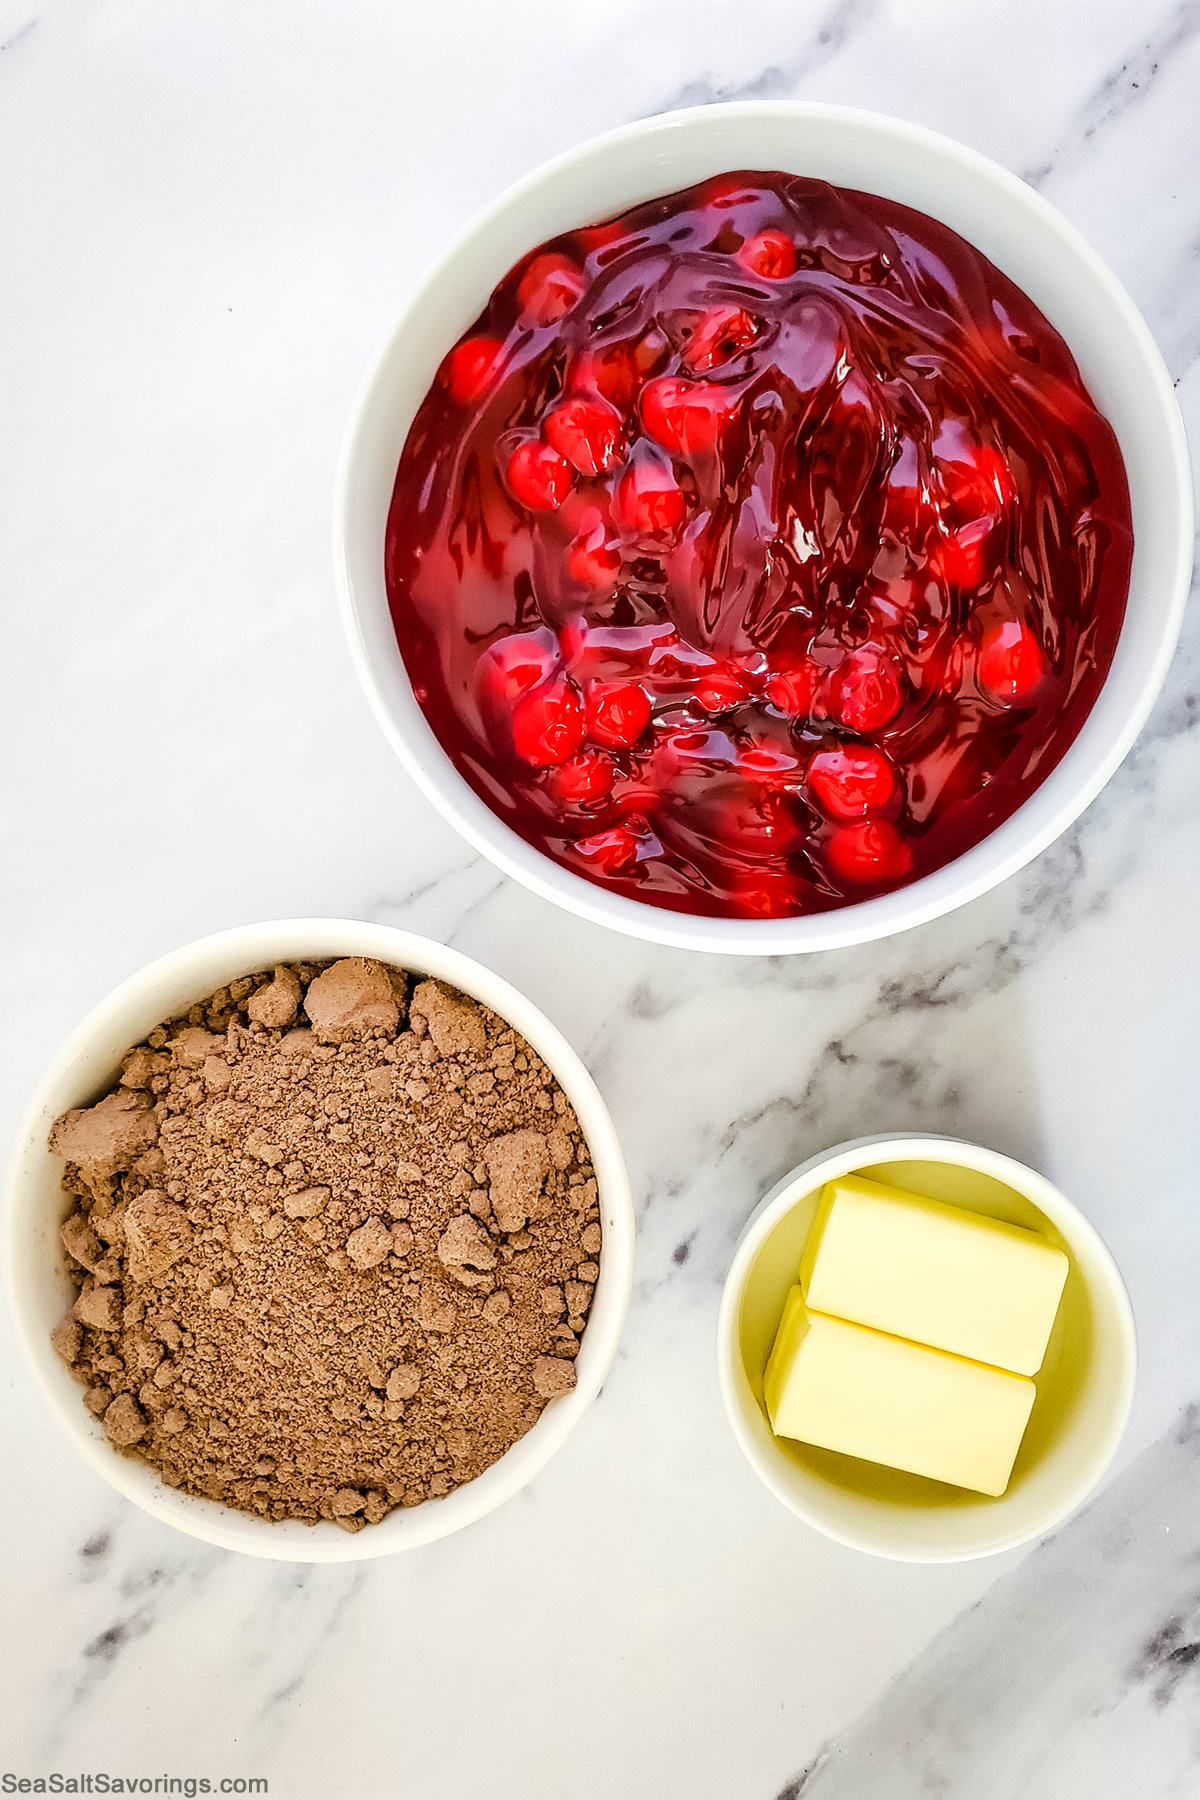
844	1387
937	1274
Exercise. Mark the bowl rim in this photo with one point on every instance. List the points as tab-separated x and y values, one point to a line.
213	1521
1069	788
917	1146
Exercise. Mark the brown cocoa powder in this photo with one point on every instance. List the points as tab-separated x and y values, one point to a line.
335	1239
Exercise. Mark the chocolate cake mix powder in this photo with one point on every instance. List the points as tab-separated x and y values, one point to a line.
336	1234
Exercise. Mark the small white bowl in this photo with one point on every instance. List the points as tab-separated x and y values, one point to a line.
1021	233
40	1289
1084	1388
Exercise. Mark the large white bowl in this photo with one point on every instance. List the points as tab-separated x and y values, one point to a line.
1021	233
1084	1387
40	1289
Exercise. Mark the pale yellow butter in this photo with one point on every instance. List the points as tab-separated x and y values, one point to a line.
934	1273
844	1387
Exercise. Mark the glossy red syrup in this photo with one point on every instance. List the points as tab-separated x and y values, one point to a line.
758	551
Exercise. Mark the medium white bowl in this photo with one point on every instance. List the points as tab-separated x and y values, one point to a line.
1021	233
1084	1387
40	1289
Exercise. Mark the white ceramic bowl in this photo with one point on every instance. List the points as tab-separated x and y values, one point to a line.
1023	236
40	1290
1084	1388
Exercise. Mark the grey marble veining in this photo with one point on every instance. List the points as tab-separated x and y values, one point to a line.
779	81
1148	56
1076	1678
208	219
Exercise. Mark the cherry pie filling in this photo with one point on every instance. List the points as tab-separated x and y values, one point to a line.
758	551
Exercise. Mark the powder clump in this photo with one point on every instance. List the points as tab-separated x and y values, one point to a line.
353	999
517	1165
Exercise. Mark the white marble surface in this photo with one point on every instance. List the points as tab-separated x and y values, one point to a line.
207	216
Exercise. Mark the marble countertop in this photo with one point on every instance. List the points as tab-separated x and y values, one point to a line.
208	215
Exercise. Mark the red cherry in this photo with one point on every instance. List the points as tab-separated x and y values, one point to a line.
586	432
978	486
721	687
605	373
868	690
513	665
724	331
770	253
609	373
585	780
649	500
1012	664
618	371
618	712
686	417
547	725
592	560
852	781
870	852
612	852
549	288
467	371
960	560
793	691
539	477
